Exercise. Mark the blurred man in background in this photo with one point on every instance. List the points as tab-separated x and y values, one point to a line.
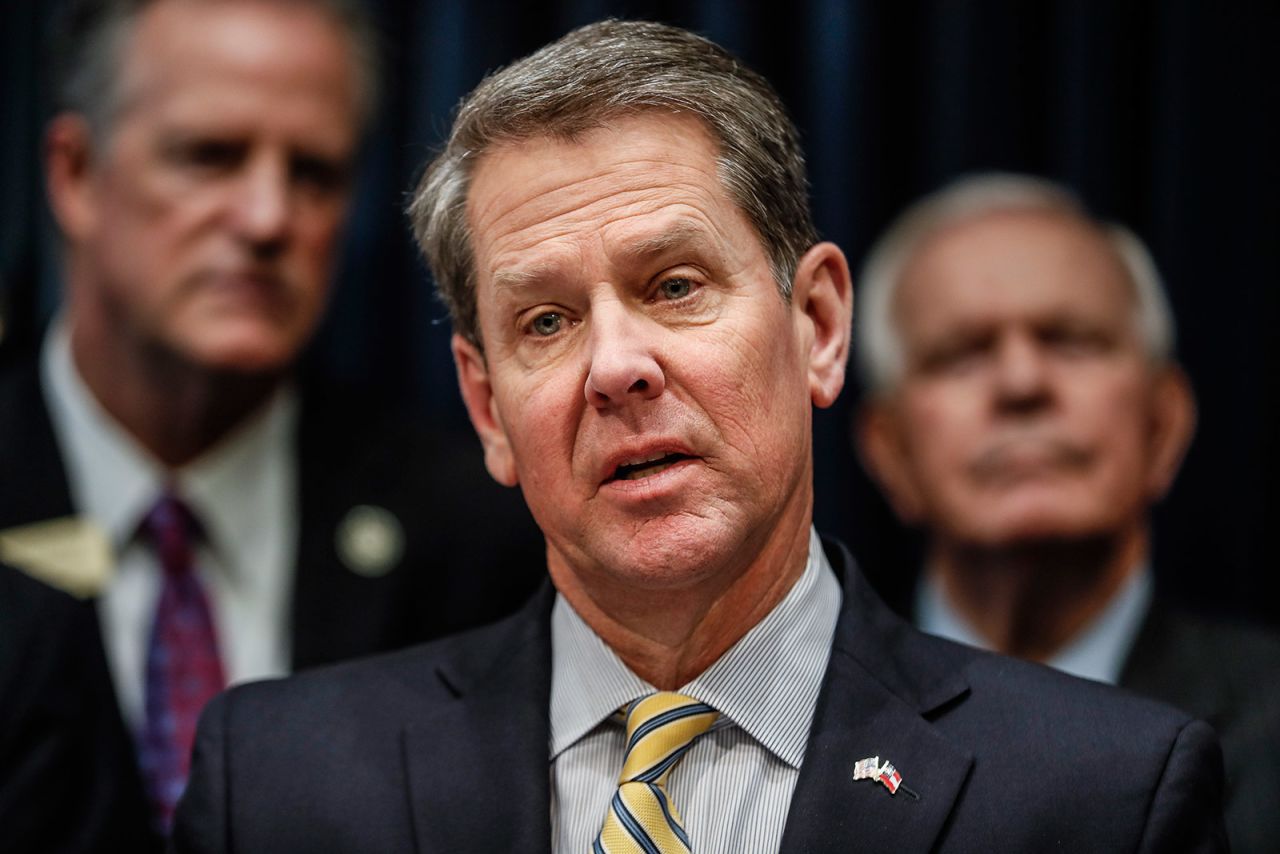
1026	411
160	454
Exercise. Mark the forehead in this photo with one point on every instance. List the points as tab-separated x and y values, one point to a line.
632	185
1013	266
223	61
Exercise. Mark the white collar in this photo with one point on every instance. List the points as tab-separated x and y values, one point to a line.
767	683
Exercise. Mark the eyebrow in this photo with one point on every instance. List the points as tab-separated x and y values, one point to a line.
682	234
523	277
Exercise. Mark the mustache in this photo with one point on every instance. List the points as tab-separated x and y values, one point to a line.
1013	456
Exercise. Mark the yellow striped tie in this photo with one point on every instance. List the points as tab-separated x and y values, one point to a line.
642	820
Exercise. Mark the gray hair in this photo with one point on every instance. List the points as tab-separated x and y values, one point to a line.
601	72
92	41
879	349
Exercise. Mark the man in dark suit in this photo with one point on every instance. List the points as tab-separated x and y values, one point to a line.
160	453
65	761
644	319
1026	411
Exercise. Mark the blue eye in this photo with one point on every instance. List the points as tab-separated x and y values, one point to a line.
548	323
676	288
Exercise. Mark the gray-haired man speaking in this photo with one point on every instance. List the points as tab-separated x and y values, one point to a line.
644	321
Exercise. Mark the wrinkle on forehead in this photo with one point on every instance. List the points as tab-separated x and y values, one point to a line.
538	204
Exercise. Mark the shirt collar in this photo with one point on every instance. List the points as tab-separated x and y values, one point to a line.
767	683
1097	651
231	488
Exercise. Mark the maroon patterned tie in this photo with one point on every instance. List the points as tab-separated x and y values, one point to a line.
183	668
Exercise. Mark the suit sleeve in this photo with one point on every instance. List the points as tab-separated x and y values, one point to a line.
1186	809
202	820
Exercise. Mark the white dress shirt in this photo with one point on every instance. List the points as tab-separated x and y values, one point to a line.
243	491
733	788
1098	651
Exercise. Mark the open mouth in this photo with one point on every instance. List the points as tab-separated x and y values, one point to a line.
647	467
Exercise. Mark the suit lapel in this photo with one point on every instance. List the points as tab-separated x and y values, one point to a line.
488	747
876	702
858	719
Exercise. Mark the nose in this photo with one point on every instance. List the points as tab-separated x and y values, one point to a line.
623	364
1022	374
261	205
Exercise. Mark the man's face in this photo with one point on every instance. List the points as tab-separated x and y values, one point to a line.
642	378
204	225
1028	408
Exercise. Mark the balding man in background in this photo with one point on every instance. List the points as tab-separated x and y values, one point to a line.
233	520
1026	411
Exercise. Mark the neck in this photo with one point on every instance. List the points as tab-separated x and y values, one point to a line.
174	409
667	637
1029	600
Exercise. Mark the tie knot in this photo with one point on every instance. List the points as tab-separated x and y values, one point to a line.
171	527
660	729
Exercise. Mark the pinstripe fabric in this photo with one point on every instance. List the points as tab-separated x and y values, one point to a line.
734	785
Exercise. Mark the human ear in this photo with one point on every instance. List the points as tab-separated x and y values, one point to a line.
482	408
1173	423
68	161
822	292
883	455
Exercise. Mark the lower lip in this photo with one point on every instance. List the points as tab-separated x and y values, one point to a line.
662	484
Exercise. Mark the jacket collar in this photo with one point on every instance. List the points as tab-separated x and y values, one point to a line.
495	735
884	686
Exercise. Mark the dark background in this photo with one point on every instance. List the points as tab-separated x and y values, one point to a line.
1160	114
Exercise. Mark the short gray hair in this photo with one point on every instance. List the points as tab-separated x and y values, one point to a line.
92	40
879	348
603	71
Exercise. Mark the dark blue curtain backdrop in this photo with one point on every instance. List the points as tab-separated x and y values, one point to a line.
1161	114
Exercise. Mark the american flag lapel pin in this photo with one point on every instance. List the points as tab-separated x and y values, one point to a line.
871	769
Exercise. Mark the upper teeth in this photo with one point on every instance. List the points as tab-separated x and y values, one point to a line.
639	461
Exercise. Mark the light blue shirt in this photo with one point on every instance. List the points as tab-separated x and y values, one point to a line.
1098	651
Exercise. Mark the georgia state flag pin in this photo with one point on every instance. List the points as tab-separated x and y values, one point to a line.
871	769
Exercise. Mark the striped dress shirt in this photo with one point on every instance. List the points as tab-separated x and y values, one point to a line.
733	788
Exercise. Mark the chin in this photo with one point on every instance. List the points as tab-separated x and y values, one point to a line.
1035	526
251	352
671	554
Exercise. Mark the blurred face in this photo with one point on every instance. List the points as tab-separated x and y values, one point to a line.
642	379
1028	408
204	227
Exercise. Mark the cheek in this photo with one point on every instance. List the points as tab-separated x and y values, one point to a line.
942	431
316	235
541	425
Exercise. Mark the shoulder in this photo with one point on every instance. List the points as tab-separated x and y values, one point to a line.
1047	749
378	692
1177	645
1032	752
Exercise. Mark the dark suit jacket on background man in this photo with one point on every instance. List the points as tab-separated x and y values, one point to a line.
67	776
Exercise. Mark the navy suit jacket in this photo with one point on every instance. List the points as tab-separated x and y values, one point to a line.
444	748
